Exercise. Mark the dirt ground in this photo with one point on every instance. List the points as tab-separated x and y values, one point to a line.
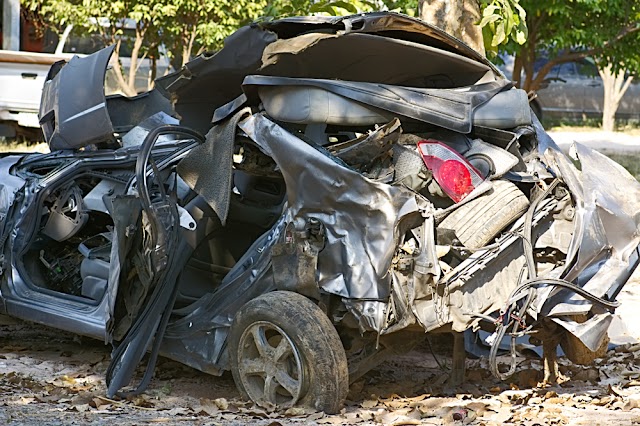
53	378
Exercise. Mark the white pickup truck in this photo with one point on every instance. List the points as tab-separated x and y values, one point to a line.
22	76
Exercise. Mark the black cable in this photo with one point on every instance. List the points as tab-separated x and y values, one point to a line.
502	328
568	285
433	354
527	246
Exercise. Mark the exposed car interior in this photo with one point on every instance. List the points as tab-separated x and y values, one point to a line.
71	251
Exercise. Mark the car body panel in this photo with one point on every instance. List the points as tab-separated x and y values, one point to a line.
64	120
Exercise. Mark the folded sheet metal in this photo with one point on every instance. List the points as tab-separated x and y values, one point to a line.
361	217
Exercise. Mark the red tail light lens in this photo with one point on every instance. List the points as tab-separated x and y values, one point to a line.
454	174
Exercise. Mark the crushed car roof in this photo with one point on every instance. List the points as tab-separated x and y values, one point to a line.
268	48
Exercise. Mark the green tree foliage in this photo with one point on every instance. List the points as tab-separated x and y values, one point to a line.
502	21
482	24
181	25
189	27
570	30
193	26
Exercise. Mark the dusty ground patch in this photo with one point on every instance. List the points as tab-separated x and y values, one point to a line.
49	377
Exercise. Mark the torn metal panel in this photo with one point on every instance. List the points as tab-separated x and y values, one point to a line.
208	170
211	81
128	113
10	184
361	153
136	135
125	211
360	217
371	58
371	314
75	115
607	228
213	313
376	22
590	332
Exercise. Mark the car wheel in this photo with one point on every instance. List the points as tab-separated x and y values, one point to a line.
286	352
479	221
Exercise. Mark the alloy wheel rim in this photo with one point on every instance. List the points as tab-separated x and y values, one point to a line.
270	366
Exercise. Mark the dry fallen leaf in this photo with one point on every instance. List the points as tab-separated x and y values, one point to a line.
141	401
603	401
25	400
99	404
400	417
634	348
298	412
479	408
177	411
613	391
396	404
206	407
229	416
80	408
221	403
632	402
369	403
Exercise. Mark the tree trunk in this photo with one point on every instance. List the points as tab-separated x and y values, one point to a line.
456	17
614	87
135	52
117	68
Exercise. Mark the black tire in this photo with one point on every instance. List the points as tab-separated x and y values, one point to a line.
283	338
480	220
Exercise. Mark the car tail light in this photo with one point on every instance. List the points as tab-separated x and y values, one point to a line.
454	174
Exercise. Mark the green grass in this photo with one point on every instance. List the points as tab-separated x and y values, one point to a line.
630	161
589	124
631	127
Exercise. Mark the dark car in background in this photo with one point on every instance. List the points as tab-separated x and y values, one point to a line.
363	180
574	90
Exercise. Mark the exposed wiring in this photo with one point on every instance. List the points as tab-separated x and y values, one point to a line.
516	320
610	305
508	319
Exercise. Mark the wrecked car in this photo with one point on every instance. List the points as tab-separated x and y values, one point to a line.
317	195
